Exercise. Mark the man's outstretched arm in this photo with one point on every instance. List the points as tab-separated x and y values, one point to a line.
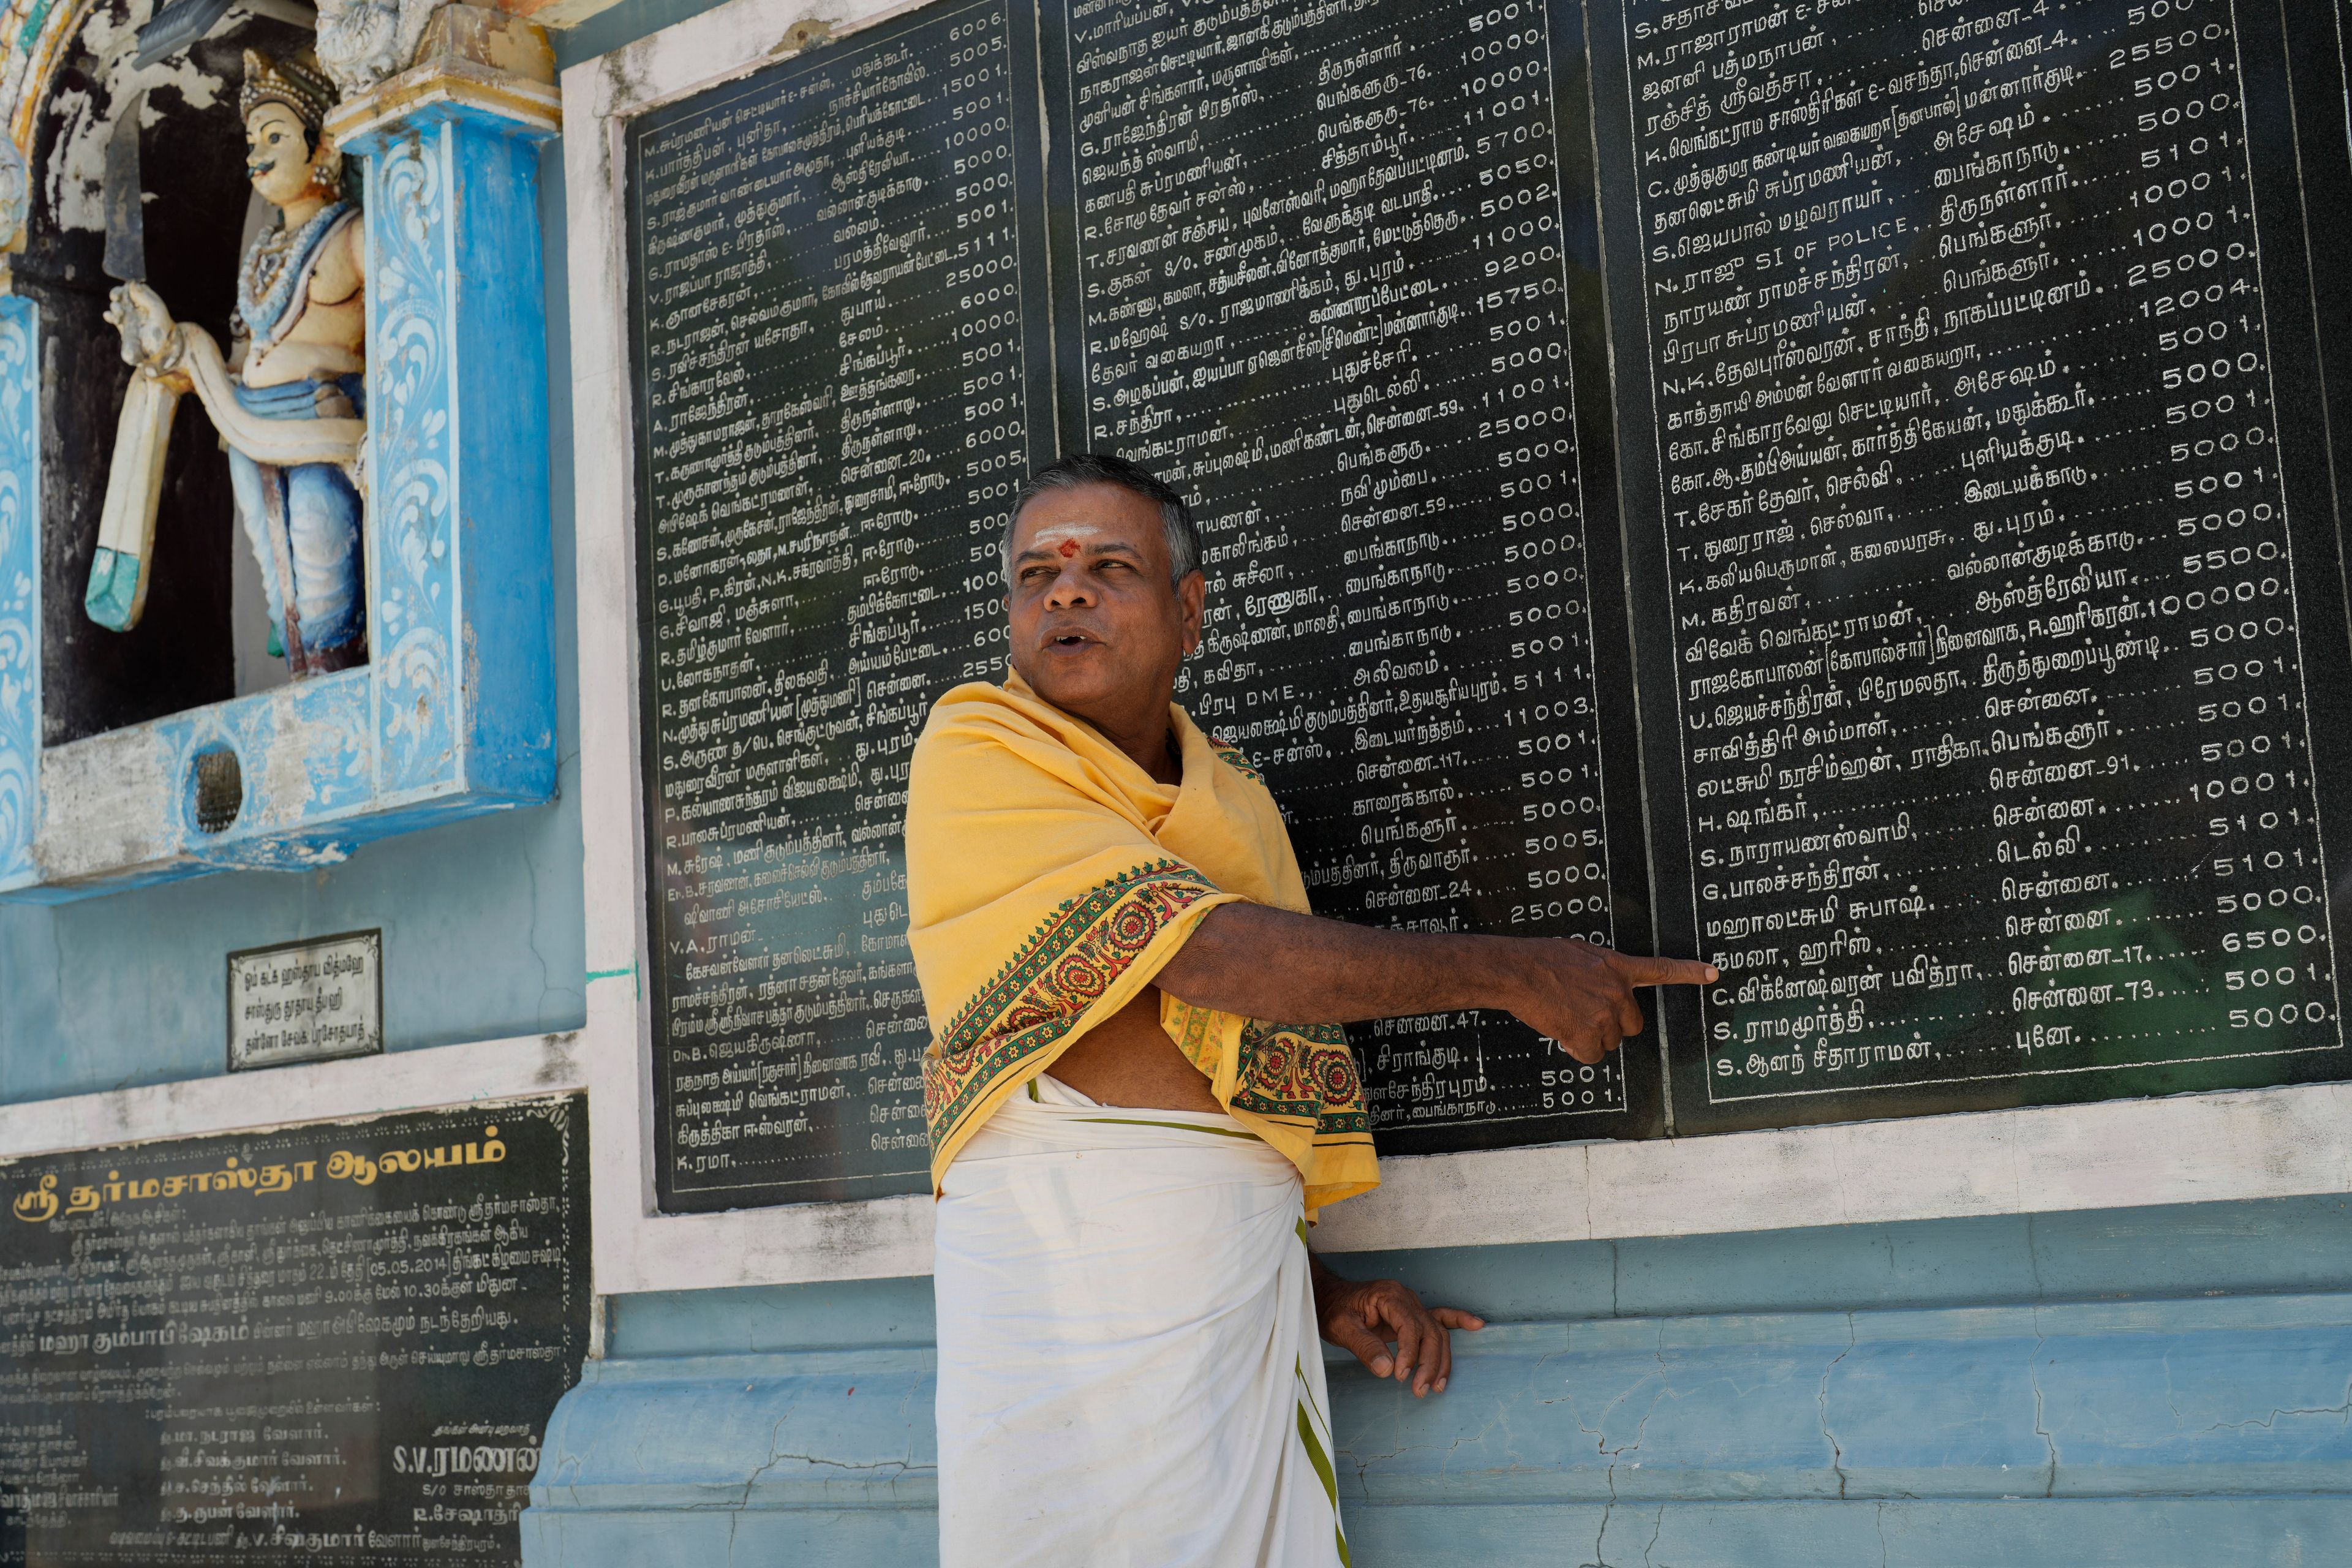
1267	962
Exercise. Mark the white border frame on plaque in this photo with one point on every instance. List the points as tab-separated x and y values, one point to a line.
2252	1143
372	936
435	1078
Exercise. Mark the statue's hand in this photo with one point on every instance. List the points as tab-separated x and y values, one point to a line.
148	335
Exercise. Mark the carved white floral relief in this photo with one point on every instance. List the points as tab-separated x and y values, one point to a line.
409	362
20	608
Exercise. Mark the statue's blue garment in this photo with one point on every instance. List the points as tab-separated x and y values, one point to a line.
304	524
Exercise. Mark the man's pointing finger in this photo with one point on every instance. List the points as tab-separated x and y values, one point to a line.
1640	971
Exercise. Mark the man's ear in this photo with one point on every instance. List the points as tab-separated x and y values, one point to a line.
1192	597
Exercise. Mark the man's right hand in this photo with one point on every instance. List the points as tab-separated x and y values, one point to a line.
1272	964
1581	997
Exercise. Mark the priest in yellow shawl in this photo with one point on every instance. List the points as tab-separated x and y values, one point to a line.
1139	1089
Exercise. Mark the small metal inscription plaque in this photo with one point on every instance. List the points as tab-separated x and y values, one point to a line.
306	1001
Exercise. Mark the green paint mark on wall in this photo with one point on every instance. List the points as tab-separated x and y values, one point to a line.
628	971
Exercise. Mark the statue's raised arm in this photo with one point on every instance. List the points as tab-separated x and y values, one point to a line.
182	357
289	405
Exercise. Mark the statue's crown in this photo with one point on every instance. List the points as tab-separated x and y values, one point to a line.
295	83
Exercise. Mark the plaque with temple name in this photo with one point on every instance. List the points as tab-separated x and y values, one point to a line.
1333	271
838	276
337	1343
1988	575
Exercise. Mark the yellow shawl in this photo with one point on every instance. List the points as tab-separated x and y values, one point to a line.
1049	878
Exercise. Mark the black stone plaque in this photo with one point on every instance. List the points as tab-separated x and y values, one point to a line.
1961	500
1334	271
1993	627
838	278
336	1343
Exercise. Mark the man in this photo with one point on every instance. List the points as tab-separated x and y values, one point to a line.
1128	1140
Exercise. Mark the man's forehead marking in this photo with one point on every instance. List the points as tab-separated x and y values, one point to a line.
1064	539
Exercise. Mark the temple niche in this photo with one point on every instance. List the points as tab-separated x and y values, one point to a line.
204	628
266	594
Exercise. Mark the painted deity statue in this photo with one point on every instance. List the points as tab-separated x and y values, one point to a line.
288	399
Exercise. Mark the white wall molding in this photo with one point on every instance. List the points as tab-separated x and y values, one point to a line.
2117	1154
430	1080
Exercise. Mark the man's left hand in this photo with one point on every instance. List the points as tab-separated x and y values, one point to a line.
1369	1315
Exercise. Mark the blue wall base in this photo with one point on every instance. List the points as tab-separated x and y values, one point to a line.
734	1539
2234	1533
2173	1429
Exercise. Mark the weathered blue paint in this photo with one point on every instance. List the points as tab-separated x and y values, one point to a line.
868	1313
457	355
2107	1533
623	22
2286	1244
455	714
482	919
20	580
1946	1392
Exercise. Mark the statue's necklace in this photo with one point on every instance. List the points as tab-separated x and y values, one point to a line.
265	283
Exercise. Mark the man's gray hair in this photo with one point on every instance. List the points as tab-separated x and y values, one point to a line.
1177	529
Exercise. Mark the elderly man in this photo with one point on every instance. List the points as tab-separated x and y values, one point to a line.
1130	1133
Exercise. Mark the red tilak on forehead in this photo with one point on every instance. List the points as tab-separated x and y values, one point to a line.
1069	548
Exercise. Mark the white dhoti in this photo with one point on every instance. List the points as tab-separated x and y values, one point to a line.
1129	1373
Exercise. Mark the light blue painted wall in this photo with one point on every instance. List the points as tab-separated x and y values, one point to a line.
482	920
623	22
2138	1387
2281	1246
